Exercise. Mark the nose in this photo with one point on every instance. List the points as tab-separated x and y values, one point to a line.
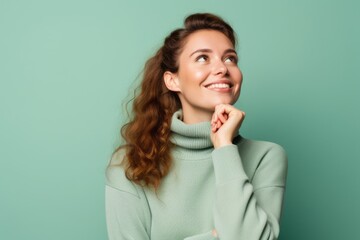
220	67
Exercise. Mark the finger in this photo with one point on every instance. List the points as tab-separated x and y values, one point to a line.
214	233
214	118
214	124
222	117
213	129
224	108
220	112
218	124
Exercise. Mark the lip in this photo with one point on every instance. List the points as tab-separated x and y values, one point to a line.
222	81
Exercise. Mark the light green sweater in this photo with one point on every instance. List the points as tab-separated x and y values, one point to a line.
237	189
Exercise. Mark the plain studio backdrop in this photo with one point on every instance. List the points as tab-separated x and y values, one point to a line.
66	66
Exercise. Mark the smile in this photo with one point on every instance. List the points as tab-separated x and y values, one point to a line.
219	85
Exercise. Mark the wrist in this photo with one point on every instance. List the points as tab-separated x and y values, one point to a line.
219	144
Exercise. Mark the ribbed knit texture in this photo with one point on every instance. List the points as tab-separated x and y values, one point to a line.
192	141
236	189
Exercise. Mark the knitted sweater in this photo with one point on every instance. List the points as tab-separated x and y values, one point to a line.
237	189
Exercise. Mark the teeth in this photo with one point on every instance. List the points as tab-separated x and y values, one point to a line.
219	85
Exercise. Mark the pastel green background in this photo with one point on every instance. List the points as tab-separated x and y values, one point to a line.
66	66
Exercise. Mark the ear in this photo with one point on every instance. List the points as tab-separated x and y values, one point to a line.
171	81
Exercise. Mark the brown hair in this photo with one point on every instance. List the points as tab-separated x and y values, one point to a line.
147	135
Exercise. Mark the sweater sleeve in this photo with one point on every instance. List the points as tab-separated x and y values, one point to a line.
128	215
124	217
244	209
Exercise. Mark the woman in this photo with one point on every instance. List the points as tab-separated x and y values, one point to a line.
184	172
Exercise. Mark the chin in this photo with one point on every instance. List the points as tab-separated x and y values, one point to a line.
224	101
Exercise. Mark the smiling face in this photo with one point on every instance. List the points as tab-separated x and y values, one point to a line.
208	75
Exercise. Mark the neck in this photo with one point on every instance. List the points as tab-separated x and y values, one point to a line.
192	141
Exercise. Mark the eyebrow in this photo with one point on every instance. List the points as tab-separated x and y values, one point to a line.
207	50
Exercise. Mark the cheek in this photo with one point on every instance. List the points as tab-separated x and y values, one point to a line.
238	76
193	76
199	75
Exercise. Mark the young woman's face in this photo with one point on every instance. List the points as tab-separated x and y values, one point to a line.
208	74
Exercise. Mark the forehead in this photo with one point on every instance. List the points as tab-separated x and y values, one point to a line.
209	39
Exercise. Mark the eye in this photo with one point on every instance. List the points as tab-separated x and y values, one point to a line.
231	59
202	58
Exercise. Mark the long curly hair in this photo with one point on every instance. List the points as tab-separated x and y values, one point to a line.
147	158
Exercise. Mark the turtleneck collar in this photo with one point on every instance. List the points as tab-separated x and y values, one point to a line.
192	141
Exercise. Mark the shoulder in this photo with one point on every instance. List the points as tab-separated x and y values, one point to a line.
263	160
260	147
127	209
115	175
256	148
